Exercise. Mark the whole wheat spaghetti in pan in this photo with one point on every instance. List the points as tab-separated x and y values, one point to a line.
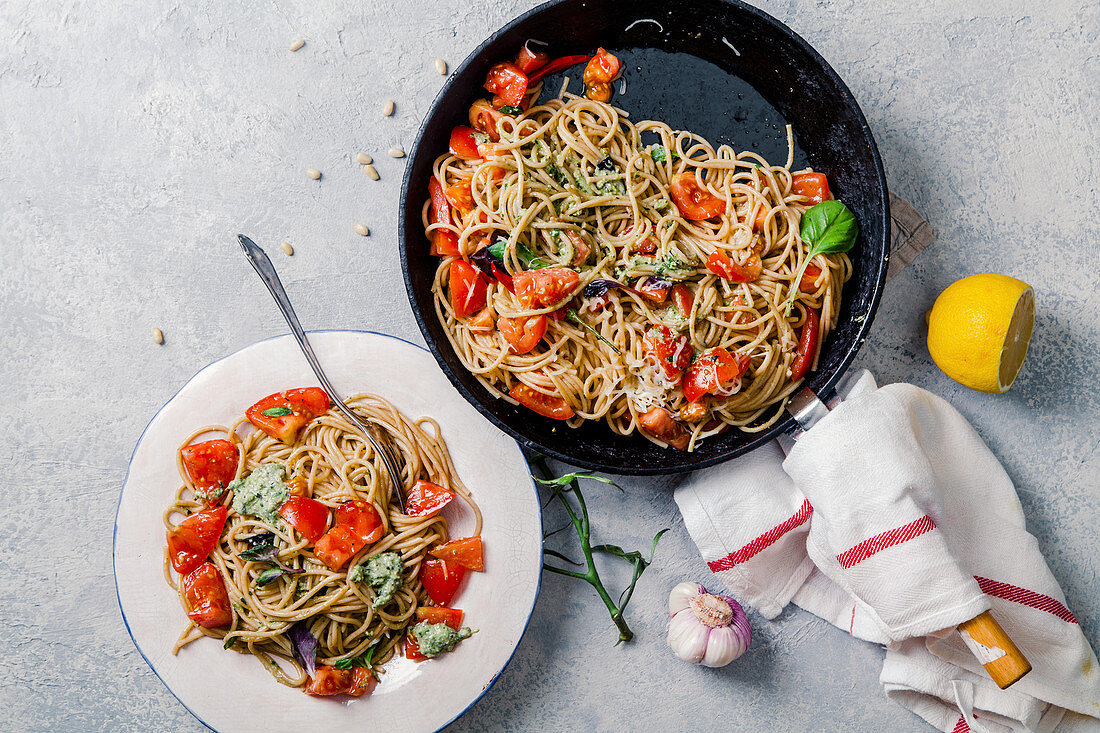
283	542
593	268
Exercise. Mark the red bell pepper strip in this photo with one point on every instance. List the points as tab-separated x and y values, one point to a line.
555	66
807	344
444	241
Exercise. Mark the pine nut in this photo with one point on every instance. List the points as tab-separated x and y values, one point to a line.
313	173
361	230
287	248
387	108
158	336
364	159
297	44
370	171
441	66
397	152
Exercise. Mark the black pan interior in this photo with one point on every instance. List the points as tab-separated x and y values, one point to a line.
722	69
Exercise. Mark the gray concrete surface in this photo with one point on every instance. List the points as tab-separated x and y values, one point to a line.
135	138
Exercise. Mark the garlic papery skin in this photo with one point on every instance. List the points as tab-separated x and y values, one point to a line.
706	628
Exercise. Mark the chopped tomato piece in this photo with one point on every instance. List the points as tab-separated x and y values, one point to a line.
814	186
192	540
483	118
337	546
522	333
660	423
808	283
684	298
653	289
673	354
807	344
693	200
327	680
483	322
715	368
554	67
468	289
507	83
463	143
466	551
444	241
598	75
206	597
546	405
581	250
694	411
503	278
427	499
362	519
308	516
545	287
722	265
412	648
357	525
211	464
441	580
440	615
460	196
282	415
528	60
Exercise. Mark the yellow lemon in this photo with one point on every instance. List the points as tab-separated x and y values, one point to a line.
979	330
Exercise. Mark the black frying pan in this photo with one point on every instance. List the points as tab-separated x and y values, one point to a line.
725	70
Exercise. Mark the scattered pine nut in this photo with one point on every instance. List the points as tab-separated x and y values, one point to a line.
397	152
370	171
313	173
361	230
441	66
158	336
364	159
297	44
387	108
287	248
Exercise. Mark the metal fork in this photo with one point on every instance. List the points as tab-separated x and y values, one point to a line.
262	264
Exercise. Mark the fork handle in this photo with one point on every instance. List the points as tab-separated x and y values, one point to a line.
261	263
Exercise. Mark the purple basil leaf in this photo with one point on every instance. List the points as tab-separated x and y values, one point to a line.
483	260
597	288
305	646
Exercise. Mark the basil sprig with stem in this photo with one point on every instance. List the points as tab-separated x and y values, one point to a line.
268	553
829	228
562	487
573	316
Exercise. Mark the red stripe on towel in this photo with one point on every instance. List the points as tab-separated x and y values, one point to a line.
880	542
961	726
1026	597
763	541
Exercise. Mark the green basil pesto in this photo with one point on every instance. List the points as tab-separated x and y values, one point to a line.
261	493
434	639
383	573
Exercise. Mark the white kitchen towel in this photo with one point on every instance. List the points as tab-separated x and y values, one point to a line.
952	489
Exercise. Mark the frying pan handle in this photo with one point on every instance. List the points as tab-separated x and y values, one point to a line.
807	407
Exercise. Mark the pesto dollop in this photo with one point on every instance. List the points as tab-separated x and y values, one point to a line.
434	639
383	573
262	492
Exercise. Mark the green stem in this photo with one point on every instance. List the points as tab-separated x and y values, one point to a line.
584	533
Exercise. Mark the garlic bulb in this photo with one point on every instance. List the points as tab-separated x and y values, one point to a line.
704	628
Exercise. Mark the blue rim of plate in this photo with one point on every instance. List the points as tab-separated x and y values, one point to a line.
118	507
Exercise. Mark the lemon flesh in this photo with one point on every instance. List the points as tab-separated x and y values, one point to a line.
979	330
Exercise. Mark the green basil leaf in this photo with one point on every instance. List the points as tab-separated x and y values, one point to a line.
277	411
229	641
343	663
510	109
527	258
269	575
829	227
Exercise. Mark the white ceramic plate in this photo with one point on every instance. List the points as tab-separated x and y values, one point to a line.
232	692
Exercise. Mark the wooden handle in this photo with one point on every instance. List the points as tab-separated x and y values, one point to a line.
1001	658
